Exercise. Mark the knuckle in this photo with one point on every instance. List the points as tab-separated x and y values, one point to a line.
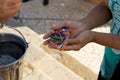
77	48
67	22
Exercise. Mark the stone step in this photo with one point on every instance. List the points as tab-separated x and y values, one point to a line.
84	59
39	60
66	58
36	75
70	60
29	74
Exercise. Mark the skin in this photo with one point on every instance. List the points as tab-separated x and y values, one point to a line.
81	33
8	8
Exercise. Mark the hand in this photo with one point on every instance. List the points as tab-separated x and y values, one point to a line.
75	28
8	9
78	42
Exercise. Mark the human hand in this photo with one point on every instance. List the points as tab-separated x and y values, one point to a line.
8	9
74	27
76	43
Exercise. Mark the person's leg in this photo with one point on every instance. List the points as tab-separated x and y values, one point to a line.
100	77
25	0
45	2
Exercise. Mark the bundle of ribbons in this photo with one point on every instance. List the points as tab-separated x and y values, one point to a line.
59	37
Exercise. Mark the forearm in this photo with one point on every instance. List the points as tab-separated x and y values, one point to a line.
106	39
97	16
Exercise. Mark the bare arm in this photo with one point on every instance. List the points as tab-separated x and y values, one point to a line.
97	16
106	39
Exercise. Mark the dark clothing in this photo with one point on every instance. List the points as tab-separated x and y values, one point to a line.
25	0
45	2
116	74
100	77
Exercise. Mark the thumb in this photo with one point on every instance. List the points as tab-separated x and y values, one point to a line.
60	25
72	44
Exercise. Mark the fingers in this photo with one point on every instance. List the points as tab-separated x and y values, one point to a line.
47	42
66	47
47	35
75	47
1	25
72	41
71	44
59	26
56	27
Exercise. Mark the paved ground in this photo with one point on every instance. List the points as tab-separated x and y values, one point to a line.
40	18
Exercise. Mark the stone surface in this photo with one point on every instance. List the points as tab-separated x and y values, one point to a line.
84	63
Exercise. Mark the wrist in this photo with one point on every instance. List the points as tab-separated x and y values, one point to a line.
85	23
